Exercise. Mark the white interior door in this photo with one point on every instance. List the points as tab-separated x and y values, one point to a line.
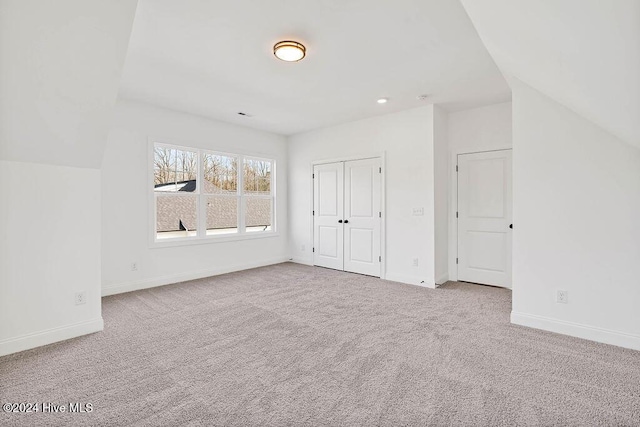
362	216
328	202
484	218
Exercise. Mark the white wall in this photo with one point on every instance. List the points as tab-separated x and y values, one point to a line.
441	193
60	65
407	139
480	129
469	131
576	211
125	194
49	250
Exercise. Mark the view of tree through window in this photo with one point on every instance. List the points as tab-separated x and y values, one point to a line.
173	168
221	172
217	205
258	200
257	176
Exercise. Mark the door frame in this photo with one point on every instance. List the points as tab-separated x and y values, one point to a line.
383	201
453	205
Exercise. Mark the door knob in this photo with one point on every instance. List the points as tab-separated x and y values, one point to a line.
346	221
511	226
340	221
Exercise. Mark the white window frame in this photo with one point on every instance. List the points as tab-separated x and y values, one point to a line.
201	236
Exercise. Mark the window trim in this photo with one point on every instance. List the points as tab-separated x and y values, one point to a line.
201	237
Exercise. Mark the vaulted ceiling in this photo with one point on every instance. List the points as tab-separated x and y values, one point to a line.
214	58
585	54
60	67
60	64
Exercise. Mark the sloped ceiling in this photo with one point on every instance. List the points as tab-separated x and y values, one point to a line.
214	59
60	67
584	54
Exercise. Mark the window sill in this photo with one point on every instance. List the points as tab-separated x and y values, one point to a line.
191	241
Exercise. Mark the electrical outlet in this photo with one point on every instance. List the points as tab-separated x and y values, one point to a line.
415	262
134	266
81	298
418	211
562	297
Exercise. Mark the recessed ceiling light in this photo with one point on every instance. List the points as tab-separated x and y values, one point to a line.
422	97
383	100
289	51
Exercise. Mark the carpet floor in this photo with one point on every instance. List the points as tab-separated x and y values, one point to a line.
291	345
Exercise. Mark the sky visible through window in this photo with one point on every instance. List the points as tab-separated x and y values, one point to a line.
175	166
225	203
172	166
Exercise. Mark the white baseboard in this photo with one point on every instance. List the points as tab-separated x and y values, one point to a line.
578	330
137	285
442	279
49	336
302	261
409	280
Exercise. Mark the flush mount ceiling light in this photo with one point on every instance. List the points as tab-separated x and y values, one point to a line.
289	51
383	100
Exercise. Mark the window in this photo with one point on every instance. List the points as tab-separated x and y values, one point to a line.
257	191
221	190
175	173
201	194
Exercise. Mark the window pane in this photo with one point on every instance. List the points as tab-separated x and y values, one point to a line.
222	215
257	176
258	214
220	174
176	216
174	170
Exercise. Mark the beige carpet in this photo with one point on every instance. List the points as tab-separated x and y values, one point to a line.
291	345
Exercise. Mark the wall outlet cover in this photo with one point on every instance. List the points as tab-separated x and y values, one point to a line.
81	298
562	297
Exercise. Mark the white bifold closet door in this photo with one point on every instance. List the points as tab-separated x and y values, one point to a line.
347	216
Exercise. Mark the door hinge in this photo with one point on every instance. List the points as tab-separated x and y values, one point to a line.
379	214
456	168
313	249
456	260
456	214
380	258
380	170
313	213
313	175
